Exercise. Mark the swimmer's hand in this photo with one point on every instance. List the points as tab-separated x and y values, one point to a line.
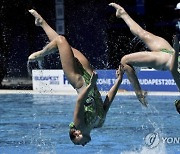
93	79
119	10
35	56
120	72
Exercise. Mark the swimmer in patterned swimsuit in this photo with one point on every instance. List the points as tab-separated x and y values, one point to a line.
161	57
90	110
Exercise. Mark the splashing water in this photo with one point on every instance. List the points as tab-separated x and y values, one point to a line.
160	149
153	143
34	65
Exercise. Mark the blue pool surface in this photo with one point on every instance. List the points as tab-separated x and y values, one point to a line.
38	124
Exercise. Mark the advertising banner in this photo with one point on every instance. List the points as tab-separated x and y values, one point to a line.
50	81
150	80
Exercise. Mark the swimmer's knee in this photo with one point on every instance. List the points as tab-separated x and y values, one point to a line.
60	39
124	60
126	64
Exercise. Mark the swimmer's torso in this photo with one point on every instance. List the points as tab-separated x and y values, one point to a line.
93	106
94	112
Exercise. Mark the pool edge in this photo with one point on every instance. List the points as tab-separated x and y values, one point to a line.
69	92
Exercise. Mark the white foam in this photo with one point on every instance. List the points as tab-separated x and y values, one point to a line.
160	149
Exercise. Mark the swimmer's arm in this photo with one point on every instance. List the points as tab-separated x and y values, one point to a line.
112	92
79	108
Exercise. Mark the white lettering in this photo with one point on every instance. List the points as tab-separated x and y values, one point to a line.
170	140
125	81
113	81
164	139
157	82
177	140
104	81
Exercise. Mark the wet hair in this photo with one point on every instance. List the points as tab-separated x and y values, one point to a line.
71	133
72	136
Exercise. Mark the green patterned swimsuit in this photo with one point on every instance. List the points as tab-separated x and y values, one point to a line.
167	51
171	53
93	106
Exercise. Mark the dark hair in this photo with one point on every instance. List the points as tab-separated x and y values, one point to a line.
71	133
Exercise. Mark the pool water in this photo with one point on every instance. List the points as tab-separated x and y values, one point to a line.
37	123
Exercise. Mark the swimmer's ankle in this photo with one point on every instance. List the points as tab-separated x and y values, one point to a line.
124	14
121	13
39	21
142	97
36	56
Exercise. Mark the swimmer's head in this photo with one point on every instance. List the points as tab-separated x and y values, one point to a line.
177	104
77	137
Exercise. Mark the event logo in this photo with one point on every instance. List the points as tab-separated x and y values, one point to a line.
46	78
153	139
54	80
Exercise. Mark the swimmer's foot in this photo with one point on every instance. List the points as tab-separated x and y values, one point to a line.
36	56
142	98
38	19
119	10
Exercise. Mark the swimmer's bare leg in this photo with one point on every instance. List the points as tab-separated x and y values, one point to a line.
39	21
148	38
141	95
67	58
121	13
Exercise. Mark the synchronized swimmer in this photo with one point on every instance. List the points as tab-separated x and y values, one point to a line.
90	110
162	56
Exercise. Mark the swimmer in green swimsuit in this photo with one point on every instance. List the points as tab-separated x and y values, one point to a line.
160	58
90	110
